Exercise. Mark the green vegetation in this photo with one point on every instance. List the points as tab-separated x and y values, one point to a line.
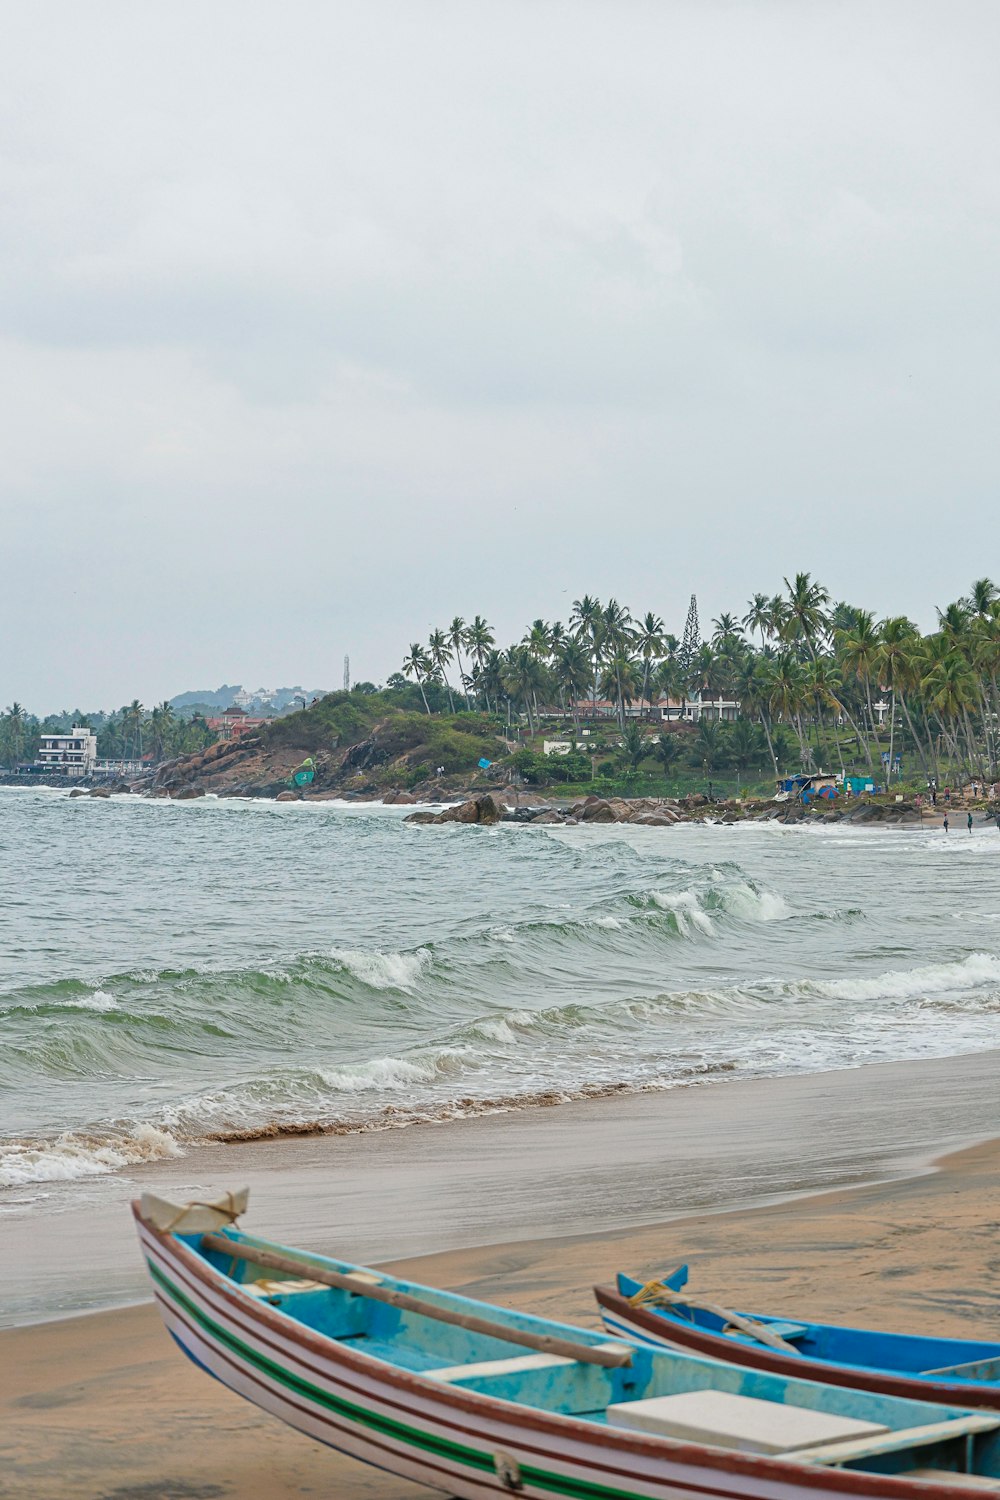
389	743
828	685
127	734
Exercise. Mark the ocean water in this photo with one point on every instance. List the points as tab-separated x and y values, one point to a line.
175	973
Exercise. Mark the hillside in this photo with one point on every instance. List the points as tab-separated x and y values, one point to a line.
363	744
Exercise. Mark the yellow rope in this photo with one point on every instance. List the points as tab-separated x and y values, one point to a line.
658	1294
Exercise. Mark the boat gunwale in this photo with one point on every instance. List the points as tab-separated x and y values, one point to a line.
704	1342
620	1441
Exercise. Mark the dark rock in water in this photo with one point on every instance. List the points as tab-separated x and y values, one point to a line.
551	816
288	796
99	791
654	820
597	810
487	809
185	793
78	792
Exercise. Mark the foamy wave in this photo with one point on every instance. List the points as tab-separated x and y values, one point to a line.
99	1000
686	908
383	970
70	1156
978	971
381	1073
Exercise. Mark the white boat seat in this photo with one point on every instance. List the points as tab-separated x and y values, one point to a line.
513	1366
949	1476
906	1437
723	1419
266	1288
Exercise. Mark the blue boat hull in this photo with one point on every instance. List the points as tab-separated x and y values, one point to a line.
966	1371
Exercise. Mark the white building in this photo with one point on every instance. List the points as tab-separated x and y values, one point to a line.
73	754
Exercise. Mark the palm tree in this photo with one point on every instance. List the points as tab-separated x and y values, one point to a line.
725	629
135	717
758	616
634	746
440	654
419	666
479	639
621	682
587	624
572	673
787	693
745	745
859	656
161	722
456	640
15	732
806	601
522	674
668	752
649	644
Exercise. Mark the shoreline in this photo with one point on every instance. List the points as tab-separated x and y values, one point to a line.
602	1165
99	1402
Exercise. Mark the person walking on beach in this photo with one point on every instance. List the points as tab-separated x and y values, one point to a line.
946	822
970	822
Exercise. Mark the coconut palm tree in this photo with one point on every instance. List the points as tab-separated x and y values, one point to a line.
161	722
858	653
479	639
456	640
419	666
587	623
14	732
758	616
135	717
726	629
440	653
572	674
650	644
806	602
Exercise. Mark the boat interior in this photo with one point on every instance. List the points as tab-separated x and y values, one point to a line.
909	1354
657	1392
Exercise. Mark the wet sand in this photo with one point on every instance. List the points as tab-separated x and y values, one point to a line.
589	1167
103	1407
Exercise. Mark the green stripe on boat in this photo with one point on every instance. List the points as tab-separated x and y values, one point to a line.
574	1489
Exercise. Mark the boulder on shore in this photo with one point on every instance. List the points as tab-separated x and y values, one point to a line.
486	809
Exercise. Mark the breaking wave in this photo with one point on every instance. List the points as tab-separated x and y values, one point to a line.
534	972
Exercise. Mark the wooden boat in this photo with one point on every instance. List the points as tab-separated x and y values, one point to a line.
479	1401
963	1371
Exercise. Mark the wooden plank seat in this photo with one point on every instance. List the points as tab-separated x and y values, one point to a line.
906	1437
976	1369
786	1331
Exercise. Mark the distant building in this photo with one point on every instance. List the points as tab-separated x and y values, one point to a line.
243	699
234	722
73	754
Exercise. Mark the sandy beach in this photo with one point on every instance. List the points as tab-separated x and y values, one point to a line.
103	1407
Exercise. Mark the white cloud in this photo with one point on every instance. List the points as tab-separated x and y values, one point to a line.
321	323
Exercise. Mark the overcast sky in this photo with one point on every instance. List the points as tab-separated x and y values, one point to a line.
323	322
